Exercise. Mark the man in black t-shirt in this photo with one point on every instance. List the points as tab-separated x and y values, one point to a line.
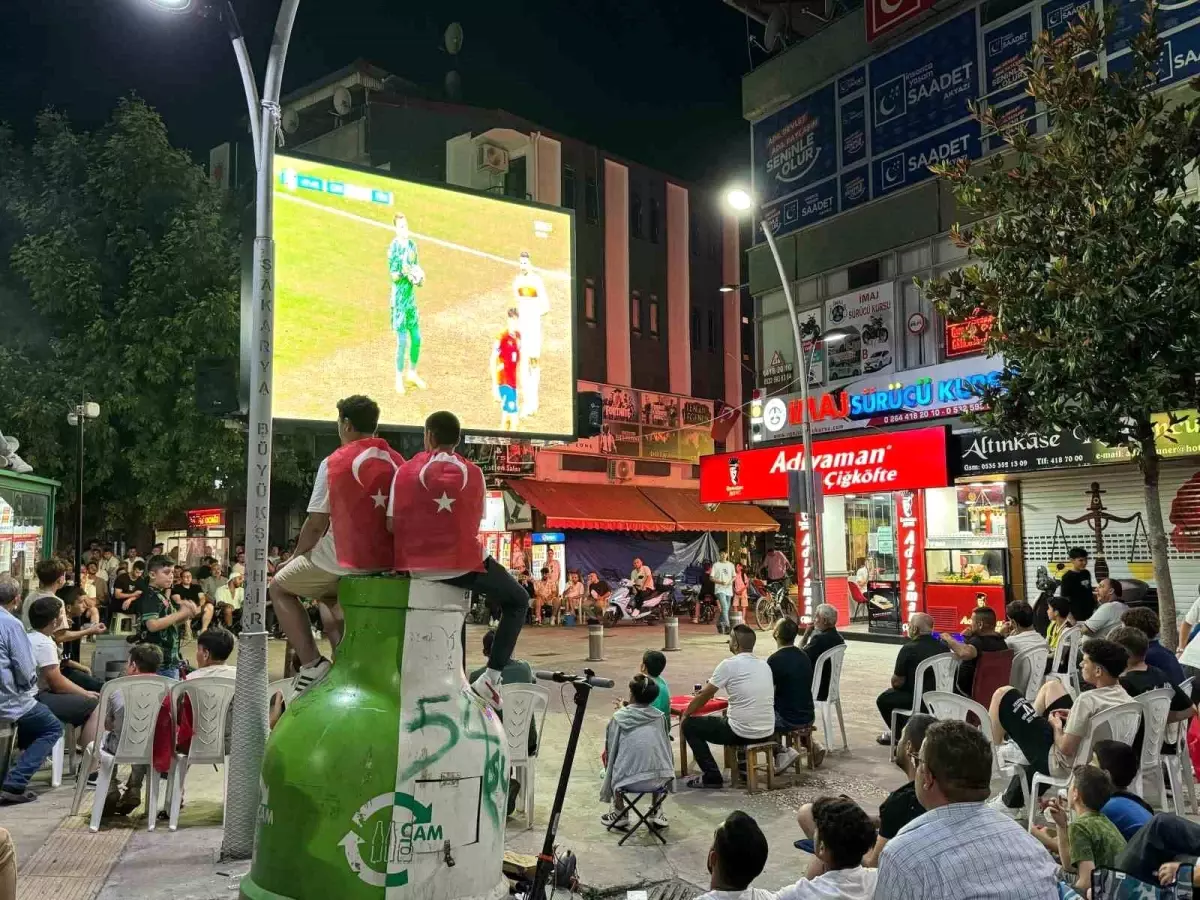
920	646
187	589
793	675
981	637
1140	678
127	590
1076	587
821	635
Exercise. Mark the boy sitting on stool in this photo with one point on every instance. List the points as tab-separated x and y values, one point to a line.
637	753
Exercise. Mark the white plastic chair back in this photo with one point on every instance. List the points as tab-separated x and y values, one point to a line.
1068	649
1031	661
210	699
1156	706
832	659
1122	723
1178	765
944	666
524	707
947	705
143	697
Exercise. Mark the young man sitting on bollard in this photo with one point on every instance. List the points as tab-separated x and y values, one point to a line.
345	534
434	513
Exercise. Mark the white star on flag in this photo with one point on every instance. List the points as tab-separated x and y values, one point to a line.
445	503
379	499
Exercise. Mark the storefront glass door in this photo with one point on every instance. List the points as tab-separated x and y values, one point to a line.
871	536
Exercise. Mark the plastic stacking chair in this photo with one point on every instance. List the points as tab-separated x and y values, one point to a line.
1178	765
948	705
1121	721
1031	661
1156	706
944	667
143	697
832	660
1068	651
209	699
524	707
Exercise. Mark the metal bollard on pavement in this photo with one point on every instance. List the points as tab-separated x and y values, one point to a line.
671	633
595	643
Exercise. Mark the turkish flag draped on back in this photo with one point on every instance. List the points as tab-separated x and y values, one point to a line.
437	505
360	476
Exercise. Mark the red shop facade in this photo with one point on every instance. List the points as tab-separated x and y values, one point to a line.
882	494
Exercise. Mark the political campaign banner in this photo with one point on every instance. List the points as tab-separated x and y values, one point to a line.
796	146
909	166
853	114
1127	19
924	84
1005	49
855	187
812	205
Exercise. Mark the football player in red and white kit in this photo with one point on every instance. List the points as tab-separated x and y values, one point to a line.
506	368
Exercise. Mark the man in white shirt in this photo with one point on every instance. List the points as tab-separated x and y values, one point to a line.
843	835
213	649
737	856
722	575
750	718
1019	635
532	301
1109	611
51	575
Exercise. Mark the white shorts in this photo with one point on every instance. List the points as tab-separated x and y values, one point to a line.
531	342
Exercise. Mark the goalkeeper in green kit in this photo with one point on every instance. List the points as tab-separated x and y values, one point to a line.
407	276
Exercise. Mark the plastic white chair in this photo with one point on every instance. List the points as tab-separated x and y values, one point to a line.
832	659
143	698
1068	649
1178	765
1156	706
944	667
1122	723
210	699
1032	661
524	707
63	755
948	705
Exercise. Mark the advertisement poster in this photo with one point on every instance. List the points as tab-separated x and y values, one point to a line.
1006	48
967	336
401	291
855	187
924	84
854	131
646	425
867	319
796	146
811	329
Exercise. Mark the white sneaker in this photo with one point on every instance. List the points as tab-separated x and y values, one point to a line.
997	804
310	675
785	758
1009	754
614	819
658	820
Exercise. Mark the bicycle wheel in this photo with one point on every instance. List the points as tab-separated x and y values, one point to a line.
764	613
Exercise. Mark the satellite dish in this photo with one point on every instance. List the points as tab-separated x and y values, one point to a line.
453	85
291	121
342	101
453	38
773	34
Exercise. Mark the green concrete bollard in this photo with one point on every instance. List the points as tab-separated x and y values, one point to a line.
385	781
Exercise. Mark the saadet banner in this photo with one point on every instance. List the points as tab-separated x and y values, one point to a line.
796	146
892	461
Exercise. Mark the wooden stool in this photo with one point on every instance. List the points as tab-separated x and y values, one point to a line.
800	740
758	756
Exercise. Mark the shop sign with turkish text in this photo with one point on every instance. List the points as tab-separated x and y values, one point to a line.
885	461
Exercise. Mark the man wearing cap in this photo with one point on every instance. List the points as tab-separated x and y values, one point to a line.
1076	587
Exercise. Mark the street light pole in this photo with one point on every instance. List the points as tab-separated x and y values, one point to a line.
810	475
75	418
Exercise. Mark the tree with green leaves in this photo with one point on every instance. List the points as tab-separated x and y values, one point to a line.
1086	255
119	268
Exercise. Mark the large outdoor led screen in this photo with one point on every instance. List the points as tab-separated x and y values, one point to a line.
423	298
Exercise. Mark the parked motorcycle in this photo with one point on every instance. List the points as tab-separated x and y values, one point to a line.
621	606
1047	586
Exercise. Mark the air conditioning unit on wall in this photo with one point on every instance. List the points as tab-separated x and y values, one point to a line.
492	158
620	469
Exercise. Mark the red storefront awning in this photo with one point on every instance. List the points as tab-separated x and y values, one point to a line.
684	507
604	507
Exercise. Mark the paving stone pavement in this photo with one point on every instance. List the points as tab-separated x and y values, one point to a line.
59	860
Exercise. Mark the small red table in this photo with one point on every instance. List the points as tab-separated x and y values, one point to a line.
679	703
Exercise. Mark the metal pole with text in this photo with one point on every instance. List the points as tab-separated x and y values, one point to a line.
818	555
250	698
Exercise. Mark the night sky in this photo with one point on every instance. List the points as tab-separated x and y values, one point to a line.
656	81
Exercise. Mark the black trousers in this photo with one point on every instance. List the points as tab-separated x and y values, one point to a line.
700	731
83	680
893	699
502	590
1163	839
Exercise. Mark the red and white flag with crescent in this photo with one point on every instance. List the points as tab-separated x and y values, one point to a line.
360	477
437	505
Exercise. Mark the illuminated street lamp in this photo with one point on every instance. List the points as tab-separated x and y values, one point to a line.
250	699
742	201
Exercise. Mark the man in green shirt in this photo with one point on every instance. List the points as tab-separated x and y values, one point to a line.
161	623
407	275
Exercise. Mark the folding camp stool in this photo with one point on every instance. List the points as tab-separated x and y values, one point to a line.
633	795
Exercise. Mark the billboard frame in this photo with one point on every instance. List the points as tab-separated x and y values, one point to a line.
293	426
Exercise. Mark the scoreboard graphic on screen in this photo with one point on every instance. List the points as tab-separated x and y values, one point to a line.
423	298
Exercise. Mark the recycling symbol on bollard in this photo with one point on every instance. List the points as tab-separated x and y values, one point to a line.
380	854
